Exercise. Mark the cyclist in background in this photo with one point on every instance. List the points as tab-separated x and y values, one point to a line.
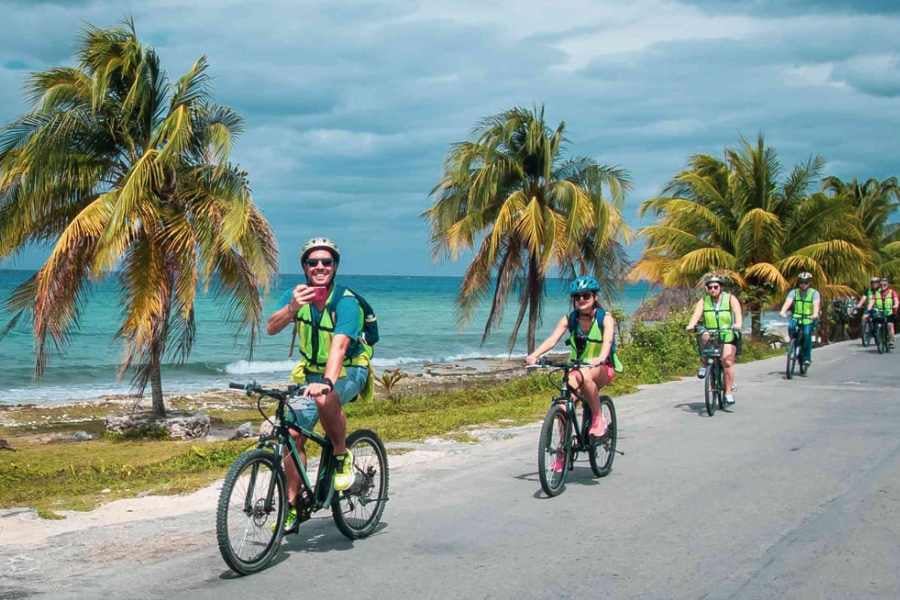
805	303
886	302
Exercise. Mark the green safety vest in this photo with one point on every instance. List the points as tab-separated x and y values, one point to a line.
719	316
803	307
314	343
885	301
593	342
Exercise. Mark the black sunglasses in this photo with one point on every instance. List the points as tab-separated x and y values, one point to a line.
713	286
583	296
325	262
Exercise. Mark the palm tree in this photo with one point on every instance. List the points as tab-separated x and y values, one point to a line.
119	169
734	217
875	203
528	209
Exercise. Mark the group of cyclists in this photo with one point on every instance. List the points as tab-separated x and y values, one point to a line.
335	359
881	302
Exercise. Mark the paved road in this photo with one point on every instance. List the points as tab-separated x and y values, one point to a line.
794	494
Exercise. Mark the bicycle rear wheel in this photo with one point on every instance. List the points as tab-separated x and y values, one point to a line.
553	459
251	511
720	385
603	449
709	392
357	510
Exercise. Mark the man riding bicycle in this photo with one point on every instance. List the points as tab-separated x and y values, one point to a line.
885	301
720	311
334	358
591	340
804	302
874	284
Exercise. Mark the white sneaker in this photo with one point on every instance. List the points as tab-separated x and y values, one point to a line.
729	399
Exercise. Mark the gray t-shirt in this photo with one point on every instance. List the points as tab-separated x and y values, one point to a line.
814	297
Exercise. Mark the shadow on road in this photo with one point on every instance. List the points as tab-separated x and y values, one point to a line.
579	475
317	535
697	408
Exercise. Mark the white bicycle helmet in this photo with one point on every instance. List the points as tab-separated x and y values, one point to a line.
320	243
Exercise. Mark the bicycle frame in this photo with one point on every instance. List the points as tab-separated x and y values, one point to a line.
569	396
280	439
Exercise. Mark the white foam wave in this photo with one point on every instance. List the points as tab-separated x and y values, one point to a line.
246	367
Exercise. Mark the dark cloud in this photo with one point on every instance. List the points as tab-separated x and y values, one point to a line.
796	7
351	108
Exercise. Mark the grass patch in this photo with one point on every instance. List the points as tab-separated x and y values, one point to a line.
79	476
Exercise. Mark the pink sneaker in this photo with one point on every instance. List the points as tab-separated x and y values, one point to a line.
559	463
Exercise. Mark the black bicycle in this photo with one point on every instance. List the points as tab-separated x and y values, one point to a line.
713	383
253	501
880	333
866	330
794	352
564	435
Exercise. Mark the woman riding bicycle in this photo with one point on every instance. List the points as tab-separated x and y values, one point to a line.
591	335
721	312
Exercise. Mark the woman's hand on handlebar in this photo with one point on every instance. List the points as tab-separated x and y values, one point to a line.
531	360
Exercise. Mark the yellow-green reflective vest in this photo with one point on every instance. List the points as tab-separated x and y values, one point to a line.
884	301
593	344
314	342
803	306
719	316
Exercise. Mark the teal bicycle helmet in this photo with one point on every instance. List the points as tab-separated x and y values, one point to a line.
584	283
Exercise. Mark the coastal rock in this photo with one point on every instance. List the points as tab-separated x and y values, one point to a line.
4	445
176	427
244	431
188	428
82	436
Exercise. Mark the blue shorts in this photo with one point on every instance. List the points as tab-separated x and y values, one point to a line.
306	414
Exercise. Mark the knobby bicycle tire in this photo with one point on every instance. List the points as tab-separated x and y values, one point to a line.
553	458
374	479
708	394
791	359
267	524
880	336
606	443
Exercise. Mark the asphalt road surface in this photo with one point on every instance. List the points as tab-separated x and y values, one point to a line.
793	494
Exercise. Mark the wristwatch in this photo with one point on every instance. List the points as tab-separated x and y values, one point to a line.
329	383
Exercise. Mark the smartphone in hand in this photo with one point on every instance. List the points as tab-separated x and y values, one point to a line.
321	293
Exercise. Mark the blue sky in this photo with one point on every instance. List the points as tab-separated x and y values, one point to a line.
350	107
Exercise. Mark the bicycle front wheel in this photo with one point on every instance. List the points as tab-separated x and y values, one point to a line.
603	450
357	511
865	329
553	459
881	338
791	359
251	511
708	391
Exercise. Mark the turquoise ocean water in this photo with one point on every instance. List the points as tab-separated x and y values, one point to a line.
417	322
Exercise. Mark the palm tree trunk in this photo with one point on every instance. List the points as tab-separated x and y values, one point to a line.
535	285
159	407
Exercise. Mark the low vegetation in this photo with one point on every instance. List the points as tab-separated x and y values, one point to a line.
69	475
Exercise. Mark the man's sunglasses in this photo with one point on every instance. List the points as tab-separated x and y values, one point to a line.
583	296
325	262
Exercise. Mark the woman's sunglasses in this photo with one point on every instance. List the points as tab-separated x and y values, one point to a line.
713	286
583	296
325	262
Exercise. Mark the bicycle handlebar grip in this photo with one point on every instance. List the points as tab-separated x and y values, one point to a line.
237	386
